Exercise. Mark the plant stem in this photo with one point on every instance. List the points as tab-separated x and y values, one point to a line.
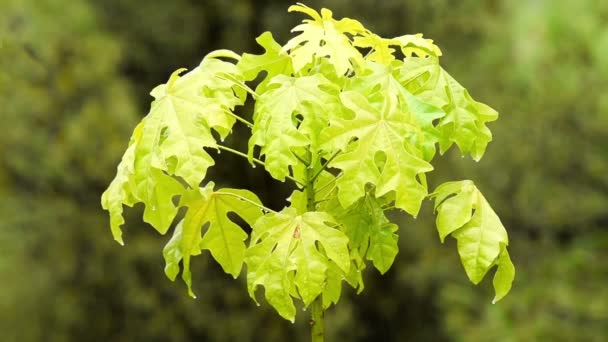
255	160
317	325
240	119
324	166
266	209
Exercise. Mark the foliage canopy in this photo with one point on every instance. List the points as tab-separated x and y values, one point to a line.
353	119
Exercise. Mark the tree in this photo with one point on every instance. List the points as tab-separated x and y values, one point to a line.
355	133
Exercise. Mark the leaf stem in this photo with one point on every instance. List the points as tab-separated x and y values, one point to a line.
324	166
249	124
255	160
328	183
246	200
242	85
307	163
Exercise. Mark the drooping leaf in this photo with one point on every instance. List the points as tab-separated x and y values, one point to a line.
323	36
292	252
117	193
206	226
482	239
170	140
371	235
465	119
504	276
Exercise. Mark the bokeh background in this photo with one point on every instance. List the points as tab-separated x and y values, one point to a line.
74	80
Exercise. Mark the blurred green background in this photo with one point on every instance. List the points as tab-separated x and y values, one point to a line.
74	80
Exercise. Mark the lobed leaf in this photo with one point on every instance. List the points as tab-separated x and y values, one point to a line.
206	226
323	36
382	49
371	235
273	61
290	254
170	140
276	130
377	128
465	119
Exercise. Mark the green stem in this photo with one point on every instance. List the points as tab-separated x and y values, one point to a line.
255	160
221	193
247	123
324	166
317	325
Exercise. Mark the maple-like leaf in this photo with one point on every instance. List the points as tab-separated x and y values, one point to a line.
290	254
276	129
138	181
465	119
370	233
379	130
415	44
170	140
381	81
323	36
383	49
206	226
272	61
464	213
118	193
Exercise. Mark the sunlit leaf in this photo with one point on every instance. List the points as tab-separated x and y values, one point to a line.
482	239
206	226
323	36
290	251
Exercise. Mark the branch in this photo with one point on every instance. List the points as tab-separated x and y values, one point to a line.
324	166
249	124
329	183
228	77
255	160
266	209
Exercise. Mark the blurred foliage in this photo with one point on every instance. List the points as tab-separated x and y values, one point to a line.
74	78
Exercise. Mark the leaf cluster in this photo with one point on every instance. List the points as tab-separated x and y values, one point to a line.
353	119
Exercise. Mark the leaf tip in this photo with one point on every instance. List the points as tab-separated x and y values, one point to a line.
191	294
119	240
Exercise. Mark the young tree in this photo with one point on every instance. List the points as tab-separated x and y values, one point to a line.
354	120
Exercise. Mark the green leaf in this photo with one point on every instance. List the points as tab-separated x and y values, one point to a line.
284	256
275	128
324	36
378	128
382	50
383	246
272	61
503	278
482	239
184	110
170	140
465	119
456	211
206	227
415	44
370	233
118	193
